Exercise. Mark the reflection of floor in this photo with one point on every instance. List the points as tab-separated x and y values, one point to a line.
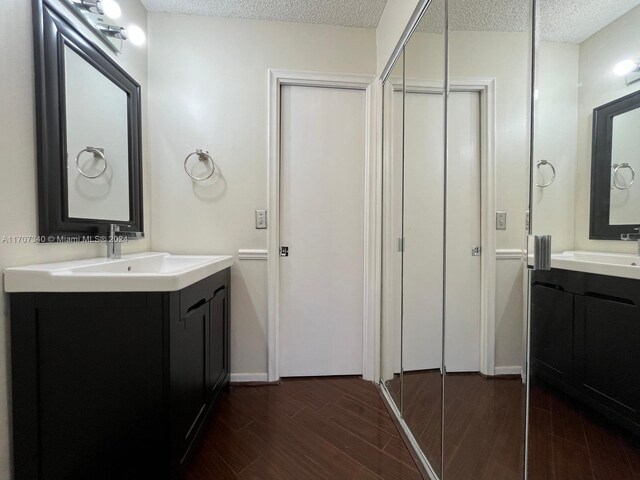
568	441
484	427
422	399
311	428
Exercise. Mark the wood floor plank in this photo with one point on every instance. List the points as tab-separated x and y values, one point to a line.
608	459
209	467
278	432
286	431
356	424
397	449
380	463
367	413
570	460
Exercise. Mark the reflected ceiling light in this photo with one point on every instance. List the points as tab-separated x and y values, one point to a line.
136	35
111	9
112	30
625	67
92	6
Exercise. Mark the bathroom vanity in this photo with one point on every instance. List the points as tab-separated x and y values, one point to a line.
115	382
585	332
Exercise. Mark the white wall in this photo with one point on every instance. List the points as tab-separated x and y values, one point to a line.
556	140
208	90
598	85
18	208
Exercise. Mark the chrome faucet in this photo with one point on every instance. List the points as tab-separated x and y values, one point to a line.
114	243
632	237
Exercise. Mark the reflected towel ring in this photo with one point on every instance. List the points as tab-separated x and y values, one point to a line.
615	167
203	156
97	152
553	171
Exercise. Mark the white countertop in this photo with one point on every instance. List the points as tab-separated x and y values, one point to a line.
140	272
601	263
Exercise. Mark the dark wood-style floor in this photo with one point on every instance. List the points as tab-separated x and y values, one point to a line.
484	430
569	441
317	428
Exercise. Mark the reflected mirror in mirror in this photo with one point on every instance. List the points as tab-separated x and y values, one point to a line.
624	207
391	325
97	143
487	170
423	216
583	378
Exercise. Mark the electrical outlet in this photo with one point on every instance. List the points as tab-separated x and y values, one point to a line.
261	219
501	220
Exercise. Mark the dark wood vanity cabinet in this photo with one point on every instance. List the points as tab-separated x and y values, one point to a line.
585	340
115	385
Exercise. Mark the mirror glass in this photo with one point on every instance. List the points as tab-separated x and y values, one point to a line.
96	113
391	330
624	206
487	172
583	383
423	221
89	134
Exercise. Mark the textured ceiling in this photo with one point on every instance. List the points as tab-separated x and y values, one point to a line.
569	21
349	13
573	21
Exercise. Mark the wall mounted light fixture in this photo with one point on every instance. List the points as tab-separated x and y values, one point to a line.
629	69
91	6
625	67
97	14
111	9
112	30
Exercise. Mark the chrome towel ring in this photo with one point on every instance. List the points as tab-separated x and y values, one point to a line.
203	156
97	152
553	173
614	182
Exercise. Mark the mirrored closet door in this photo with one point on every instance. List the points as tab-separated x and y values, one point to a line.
454	230
488	139
584	412
413	234
423	232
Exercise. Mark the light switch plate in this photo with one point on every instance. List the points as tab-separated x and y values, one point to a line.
501	220
261	219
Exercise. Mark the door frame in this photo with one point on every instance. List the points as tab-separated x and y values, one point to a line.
485	86
278	79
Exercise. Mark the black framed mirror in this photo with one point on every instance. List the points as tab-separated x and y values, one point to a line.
615	192
88	112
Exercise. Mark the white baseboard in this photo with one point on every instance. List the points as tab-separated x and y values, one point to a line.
515	370
249	377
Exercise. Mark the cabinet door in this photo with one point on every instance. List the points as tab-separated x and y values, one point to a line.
607	353
188	374
551	333
218	332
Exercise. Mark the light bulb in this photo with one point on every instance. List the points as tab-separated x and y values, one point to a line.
111	9
625	67
136	35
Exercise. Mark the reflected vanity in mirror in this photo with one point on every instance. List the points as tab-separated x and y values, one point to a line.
89	135
615	197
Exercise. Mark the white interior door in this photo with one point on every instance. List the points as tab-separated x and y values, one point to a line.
322	173
462	330
423	219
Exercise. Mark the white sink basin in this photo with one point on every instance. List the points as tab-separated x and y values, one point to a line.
612	264
142	272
